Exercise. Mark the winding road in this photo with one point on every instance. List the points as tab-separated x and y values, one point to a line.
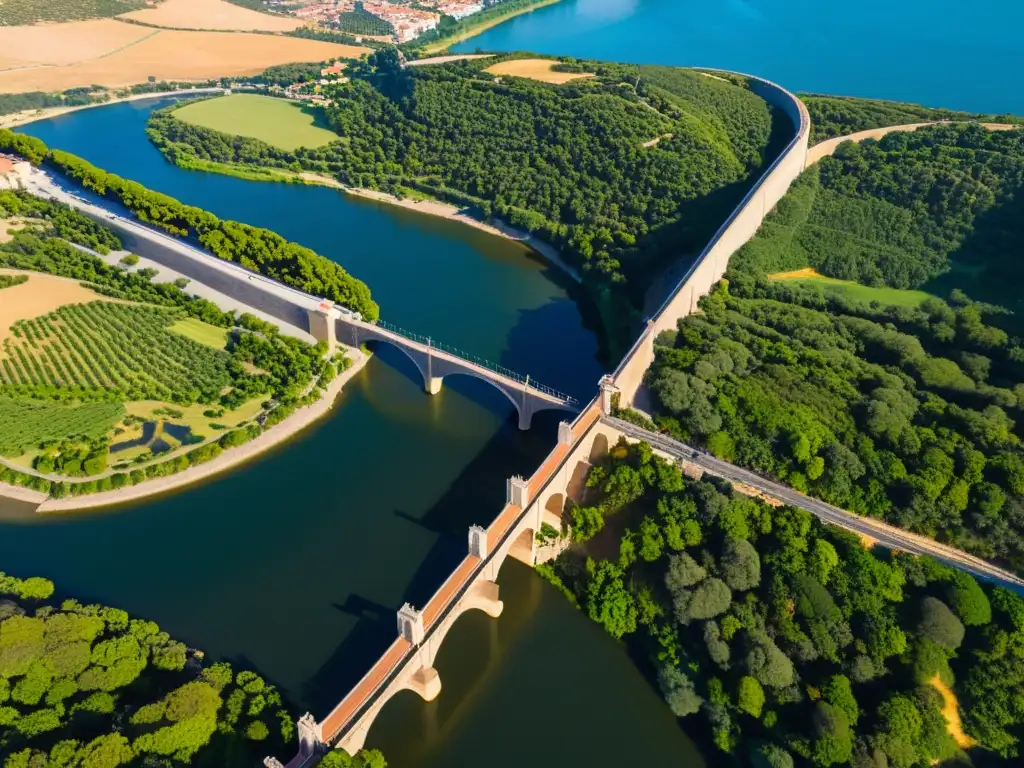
888	536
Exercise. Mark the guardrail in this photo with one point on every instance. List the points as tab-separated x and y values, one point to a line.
476	360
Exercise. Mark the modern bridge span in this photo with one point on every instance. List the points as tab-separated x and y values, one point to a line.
435	360
307	314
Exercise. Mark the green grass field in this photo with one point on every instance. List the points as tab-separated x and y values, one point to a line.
204	333
865	293
278	122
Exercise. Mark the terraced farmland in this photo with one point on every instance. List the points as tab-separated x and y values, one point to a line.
23	425
112	351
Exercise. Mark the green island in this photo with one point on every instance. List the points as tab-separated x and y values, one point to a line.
792	642
622	167
92	687
908	410
121	380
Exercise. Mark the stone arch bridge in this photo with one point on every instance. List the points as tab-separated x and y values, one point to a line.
408	663
436	361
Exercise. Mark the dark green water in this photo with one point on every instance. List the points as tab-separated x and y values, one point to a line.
296	563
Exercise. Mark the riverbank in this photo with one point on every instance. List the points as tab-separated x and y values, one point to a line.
421	204
483	26
276	435
433	207
16	119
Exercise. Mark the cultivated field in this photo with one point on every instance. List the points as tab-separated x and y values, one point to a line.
535	69
14	12
23	425
122	347
279	122
212	14
40	295
114	54
64	44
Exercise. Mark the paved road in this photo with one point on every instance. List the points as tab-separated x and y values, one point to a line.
43	185
886	535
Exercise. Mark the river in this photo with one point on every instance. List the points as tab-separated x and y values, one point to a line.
295	564
940	53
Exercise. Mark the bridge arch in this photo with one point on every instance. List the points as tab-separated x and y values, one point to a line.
473	375
425	683
482	596
405	351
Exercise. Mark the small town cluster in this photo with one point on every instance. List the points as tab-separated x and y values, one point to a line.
407	18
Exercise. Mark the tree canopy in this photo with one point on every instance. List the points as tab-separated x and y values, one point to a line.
826	659
903	406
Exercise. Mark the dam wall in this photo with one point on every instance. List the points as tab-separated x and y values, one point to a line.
709	267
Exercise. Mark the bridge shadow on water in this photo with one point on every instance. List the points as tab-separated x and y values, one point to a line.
475	496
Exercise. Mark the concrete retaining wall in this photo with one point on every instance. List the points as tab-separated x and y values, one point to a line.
713	261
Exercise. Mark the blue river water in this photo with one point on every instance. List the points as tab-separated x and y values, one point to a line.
940	53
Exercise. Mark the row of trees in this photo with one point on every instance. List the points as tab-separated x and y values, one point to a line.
256	248
572	163
73	97
790	640
908	413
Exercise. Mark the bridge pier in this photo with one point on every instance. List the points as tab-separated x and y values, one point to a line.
323	323
432	384
426	683
525	414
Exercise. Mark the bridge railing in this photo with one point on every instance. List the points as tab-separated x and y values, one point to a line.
476	360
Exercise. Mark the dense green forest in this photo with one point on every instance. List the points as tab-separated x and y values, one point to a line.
787	639
833	116
87	685
911	413
255	248
90	686
573	163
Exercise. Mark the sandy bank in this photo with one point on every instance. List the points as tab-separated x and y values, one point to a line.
447	211
274	436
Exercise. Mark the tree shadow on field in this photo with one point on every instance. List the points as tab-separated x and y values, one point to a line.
988	266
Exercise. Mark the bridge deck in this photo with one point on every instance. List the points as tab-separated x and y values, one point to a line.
364	689
449	589
485	369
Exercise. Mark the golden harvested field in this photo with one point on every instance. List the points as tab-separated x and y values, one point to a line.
163	54
211	14
63	44
40	295
536	69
